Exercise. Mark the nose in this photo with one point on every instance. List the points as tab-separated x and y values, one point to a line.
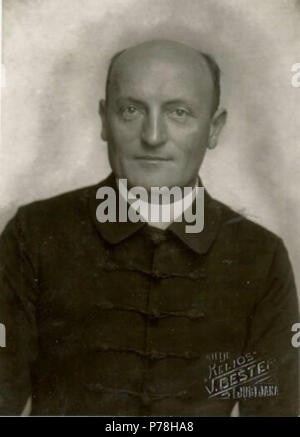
154	131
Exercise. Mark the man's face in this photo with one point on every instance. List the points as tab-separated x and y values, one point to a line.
157	118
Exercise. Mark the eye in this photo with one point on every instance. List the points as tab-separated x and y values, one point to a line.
179	114
129	112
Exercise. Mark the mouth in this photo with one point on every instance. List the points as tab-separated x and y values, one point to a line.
152	158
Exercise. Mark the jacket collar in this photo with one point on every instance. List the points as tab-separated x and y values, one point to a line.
115	232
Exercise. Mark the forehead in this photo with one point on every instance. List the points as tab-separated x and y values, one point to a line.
164	72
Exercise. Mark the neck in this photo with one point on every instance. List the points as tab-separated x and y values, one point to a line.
160	195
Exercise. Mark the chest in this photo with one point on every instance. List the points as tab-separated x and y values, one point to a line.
153	297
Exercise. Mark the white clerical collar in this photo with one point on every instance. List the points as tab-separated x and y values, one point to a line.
177	208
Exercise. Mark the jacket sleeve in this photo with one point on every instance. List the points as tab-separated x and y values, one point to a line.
18	285
275	312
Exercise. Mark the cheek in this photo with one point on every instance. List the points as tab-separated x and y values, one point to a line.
124	133
191	142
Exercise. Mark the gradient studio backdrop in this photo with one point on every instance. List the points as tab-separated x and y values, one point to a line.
56	54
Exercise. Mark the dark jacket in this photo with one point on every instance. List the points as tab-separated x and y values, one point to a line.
125	319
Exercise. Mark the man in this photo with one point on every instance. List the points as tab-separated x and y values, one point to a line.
136	318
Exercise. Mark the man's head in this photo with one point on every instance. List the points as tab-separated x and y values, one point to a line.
160	113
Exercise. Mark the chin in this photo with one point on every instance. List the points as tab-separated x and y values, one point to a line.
148	182
140	177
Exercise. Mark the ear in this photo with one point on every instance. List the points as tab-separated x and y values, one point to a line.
103	116
216	125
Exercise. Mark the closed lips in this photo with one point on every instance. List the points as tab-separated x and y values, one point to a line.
152	158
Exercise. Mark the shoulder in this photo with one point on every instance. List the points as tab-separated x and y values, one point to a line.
245	232
66	214
260	254
64	205
58	220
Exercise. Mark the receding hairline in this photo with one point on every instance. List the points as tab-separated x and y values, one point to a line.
211	63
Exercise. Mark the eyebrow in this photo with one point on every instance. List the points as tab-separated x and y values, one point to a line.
167	103
130	99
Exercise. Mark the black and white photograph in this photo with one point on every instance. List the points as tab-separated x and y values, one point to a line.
150	209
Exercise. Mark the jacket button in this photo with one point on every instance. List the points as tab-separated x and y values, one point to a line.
155	275
153	316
